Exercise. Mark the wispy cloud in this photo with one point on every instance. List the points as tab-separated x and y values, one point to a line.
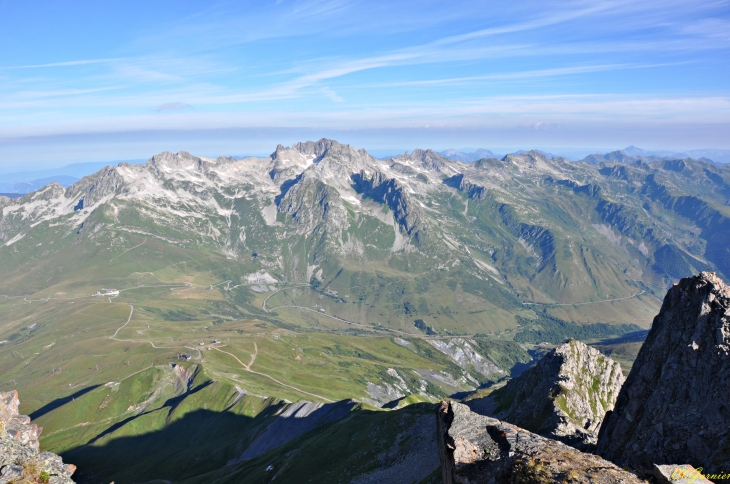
357	64
72	63
176	106
521	75
331	94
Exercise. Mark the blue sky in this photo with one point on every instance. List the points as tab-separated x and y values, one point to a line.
82	80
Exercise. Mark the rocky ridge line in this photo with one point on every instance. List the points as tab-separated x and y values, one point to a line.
675	404
565	396
475	449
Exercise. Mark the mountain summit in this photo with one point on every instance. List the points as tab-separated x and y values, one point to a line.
675	404
564	396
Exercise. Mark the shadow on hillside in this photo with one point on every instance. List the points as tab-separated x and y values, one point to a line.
633	337
59	402
454	181
285	186
199	442
194	442
169	406
205	441
520	368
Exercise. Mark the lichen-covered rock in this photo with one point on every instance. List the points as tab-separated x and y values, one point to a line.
675	404
20	460
564	396
476	449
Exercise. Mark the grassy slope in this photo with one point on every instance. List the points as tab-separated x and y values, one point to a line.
344	450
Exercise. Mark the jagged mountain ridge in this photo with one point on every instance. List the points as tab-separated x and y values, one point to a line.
564	396
674	406
545	230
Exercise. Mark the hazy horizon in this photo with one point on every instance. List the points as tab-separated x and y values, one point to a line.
127	80
38	153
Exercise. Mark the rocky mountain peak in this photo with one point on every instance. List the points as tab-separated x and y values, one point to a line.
429	159
20	460
564	396
675	404
328	157
311	150
168	160
316	148
531	162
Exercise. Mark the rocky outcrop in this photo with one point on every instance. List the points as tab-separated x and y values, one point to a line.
391	192
675	404
311	202
475	449
589	189
564	396
460	182
462	352
20	460
541	240
429	159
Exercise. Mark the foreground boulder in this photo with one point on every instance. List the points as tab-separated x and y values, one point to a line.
476	449
675	404
20	460
564	396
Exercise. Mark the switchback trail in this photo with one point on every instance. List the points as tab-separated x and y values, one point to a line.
248	369
245	367
131	312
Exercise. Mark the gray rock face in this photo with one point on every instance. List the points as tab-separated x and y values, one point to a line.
565	396
675	404
311	202
460	182
427	158
475	449
20	460
392	193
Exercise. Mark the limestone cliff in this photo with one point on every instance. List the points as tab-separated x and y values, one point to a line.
20	460
675	404
565	396
476	449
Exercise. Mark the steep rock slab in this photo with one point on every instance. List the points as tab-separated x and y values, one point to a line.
20	460
565	396
675	404
475	449
392	193
292	421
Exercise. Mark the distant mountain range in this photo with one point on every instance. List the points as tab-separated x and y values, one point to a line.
27	186
23	182
714	155
20	183
718	156
466	156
